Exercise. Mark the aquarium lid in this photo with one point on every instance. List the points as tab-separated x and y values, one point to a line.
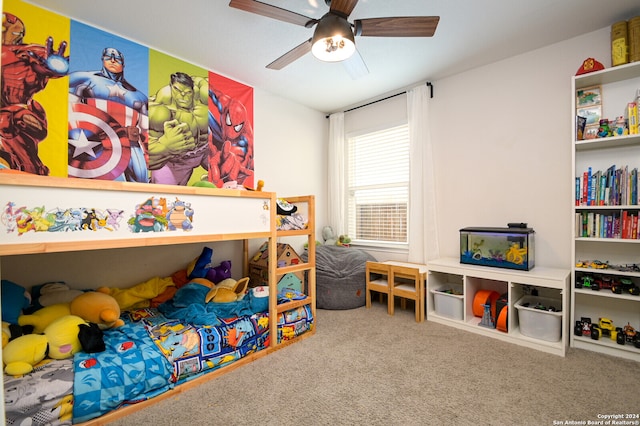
497	230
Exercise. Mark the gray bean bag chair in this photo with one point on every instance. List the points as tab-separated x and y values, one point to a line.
340	277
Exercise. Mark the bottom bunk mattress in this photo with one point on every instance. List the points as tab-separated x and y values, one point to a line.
147	356
42	397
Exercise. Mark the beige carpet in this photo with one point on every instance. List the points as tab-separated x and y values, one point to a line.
363	367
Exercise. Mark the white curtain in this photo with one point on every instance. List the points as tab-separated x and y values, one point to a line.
423	232
336	173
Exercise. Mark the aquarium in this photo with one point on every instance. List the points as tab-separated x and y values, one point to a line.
510	247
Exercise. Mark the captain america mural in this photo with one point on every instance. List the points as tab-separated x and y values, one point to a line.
108	117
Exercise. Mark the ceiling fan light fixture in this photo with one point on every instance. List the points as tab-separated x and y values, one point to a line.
333	39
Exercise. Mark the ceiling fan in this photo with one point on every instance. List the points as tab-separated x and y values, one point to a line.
333	37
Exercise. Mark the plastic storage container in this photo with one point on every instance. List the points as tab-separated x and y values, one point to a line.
511	247
538	323
447	304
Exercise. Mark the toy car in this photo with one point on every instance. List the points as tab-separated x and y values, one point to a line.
602	282
583	327
630	333
586	281
625	285
596	264
628	286
604	328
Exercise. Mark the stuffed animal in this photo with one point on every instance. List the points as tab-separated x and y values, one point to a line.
91	338
11	331
343	240
15	299
98	308
199	266
41	318
56	292
21	354
228	290
201	291
220	272
328	236
6	333
59	341
260	299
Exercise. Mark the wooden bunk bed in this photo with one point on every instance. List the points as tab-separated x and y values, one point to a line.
254	217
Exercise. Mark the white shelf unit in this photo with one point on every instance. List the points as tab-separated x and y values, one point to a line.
619	86
549	283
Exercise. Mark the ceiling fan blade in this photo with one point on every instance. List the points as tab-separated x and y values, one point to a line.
402	26
342	7
269	11
295	53
355	66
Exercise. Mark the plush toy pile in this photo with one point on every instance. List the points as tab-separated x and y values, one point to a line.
56	321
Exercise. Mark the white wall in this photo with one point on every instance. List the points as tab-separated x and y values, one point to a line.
291	152
502	146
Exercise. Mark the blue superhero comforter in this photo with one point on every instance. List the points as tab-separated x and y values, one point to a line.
130	370
156	350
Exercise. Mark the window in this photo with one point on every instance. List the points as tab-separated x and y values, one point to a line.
378	187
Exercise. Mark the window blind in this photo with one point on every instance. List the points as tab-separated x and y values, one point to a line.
378	186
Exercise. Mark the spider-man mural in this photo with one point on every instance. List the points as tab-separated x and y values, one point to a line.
231	135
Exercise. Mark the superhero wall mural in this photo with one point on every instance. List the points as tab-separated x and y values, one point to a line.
83	103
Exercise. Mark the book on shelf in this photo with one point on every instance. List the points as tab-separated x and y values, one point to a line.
589	186
610	187
614	224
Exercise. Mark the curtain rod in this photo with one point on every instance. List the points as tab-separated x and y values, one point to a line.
429	85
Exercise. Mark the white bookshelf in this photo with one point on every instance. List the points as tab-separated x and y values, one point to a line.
618	87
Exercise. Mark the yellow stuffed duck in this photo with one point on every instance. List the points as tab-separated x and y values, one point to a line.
59	341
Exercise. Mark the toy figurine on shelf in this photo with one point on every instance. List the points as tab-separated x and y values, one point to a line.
486	320
604	130
620	127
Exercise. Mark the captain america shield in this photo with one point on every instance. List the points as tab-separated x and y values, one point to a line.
99	147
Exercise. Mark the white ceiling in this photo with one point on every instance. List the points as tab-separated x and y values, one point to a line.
239	44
